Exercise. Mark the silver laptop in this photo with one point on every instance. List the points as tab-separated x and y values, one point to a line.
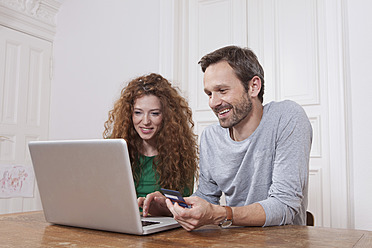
89	183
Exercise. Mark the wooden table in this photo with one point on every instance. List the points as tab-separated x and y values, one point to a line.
31	230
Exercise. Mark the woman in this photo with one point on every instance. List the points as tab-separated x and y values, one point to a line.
157	124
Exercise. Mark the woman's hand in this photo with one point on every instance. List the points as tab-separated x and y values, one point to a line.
154	204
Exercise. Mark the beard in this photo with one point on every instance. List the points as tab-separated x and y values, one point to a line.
239	111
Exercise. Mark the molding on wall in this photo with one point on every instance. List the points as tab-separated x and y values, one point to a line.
34	17
339	166
173	43
315	189
166	36
316	148
348	115
306	90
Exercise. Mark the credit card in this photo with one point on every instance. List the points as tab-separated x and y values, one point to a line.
175	196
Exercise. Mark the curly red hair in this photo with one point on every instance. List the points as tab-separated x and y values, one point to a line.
177	161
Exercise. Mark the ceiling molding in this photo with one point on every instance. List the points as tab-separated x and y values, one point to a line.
35	17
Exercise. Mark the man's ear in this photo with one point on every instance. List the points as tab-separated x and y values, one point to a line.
254	86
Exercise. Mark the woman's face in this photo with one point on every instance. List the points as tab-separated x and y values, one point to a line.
147	116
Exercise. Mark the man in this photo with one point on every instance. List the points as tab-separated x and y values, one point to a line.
258	156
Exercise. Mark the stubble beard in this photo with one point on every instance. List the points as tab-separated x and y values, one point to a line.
239	112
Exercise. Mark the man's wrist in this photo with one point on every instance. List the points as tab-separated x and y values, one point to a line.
227	222
219	214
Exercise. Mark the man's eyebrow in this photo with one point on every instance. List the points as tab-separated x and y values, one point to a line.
218	86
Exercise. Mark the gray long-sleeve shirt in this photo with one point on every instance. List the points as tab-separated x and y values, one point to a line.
270	167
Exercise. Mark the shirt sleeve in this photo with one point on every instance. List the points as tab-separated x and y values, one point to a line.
207	188
291	168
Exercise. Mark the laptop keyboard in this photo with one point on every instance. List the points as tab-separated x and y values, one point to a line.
148	223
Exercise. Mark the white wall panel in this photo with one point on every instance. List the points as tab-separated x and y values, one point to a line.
26	152
7	146
316	148
214	32
10	84
335	69
30	204
315	195
296	35
34	88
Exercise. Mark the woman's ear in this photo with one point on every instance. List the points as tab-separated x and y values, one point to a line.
254	86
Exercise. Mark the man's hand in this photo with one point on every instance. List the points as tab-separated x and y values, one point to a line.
154	204
201	213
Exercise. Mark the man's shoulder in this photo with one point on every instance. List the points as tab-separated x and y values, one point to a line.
285	106
213	128
212	140
284	112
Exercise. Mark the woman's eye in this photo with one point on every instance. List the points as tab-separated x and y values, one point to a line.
155	113
137	112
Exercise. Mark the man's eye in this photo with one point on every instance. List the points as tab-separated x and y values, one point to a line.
223	91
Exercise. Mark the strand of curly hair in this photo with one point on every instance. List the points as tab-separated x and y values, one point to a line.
177	161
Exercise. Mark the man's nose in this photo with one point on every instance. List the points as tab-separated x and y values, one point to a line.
214	101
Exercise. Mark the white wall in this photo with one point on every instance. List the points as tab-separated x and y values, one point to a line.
360	41
98	47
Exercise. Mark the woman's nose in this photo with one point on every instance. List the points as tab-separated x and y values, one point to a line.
146	119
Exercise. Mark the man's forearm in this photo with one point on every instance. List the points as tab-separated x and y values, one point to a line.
250	215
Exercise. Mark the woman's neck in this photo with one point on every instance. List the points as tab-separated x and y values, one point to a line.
149	149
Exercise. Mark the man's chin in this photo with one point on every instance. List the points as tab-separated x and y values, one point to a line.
225	124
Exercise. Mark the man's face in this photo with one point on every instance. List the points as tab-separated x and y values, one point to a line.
227	96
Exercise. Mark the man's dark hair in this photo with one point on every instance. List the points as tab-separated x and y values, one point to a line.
243	61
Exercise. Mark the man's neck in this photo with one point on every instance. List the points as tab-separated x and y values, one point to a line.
248	125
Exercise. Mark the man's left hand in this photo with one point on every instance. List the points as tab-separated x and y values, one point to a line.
201	213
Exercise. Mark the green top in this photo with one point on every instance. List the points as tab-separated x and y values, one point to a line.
148	179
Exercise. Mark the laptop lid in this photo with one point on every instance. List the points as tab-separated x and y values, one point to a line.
89	183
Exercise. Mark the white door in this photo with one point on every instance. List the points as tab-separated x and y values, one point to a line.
299	43
24	114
